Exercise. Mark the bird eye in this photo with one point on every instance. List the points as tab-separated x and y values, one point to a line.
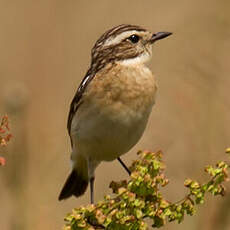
134	38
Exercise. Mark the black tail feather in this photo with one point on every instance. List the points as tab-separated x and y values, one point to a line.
75	185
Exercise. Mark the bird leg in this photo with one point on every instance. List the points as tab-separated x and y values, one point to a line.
124	166
91	181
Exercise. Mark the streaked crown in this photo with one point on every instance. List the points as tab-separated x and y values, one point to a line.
124	43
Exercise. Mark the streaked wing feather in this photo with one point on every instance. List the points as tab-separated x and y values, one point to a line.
76	102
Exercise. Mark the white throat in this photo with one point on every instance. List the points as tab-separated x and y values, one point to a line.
145	57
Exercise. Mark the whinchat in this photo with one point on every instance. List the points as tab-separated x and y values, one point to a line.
111	107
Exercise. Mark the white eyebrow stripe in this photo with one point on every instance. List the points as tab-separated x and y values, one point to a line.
117	39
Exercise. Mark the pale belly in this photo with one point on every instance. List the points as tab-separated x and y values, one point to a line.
105	136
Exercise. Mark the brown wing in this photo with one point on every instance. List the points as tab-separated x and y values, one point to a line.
76	102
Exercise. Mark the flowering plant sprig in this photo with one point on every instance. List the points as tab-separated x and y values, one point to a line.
141	198
5	135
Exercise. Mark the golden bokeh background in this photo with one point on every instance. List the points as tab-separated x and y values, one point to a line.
44	53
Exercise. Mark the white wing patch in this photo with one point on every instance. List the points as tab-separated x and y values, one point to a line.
85	80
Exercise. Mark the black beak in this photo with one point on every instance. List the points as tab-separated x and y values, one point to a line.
159	35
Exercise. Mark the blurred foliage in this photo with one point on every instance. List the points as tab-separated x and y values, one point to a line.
140	198
5	135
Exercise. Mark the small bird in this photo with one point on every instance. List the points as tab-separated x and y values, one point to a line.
111	107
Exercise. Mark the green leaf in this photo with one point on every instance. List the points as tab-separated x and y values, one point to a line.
141	197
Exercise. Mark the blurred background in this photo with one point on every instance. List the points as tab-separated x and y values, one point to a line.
44	53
